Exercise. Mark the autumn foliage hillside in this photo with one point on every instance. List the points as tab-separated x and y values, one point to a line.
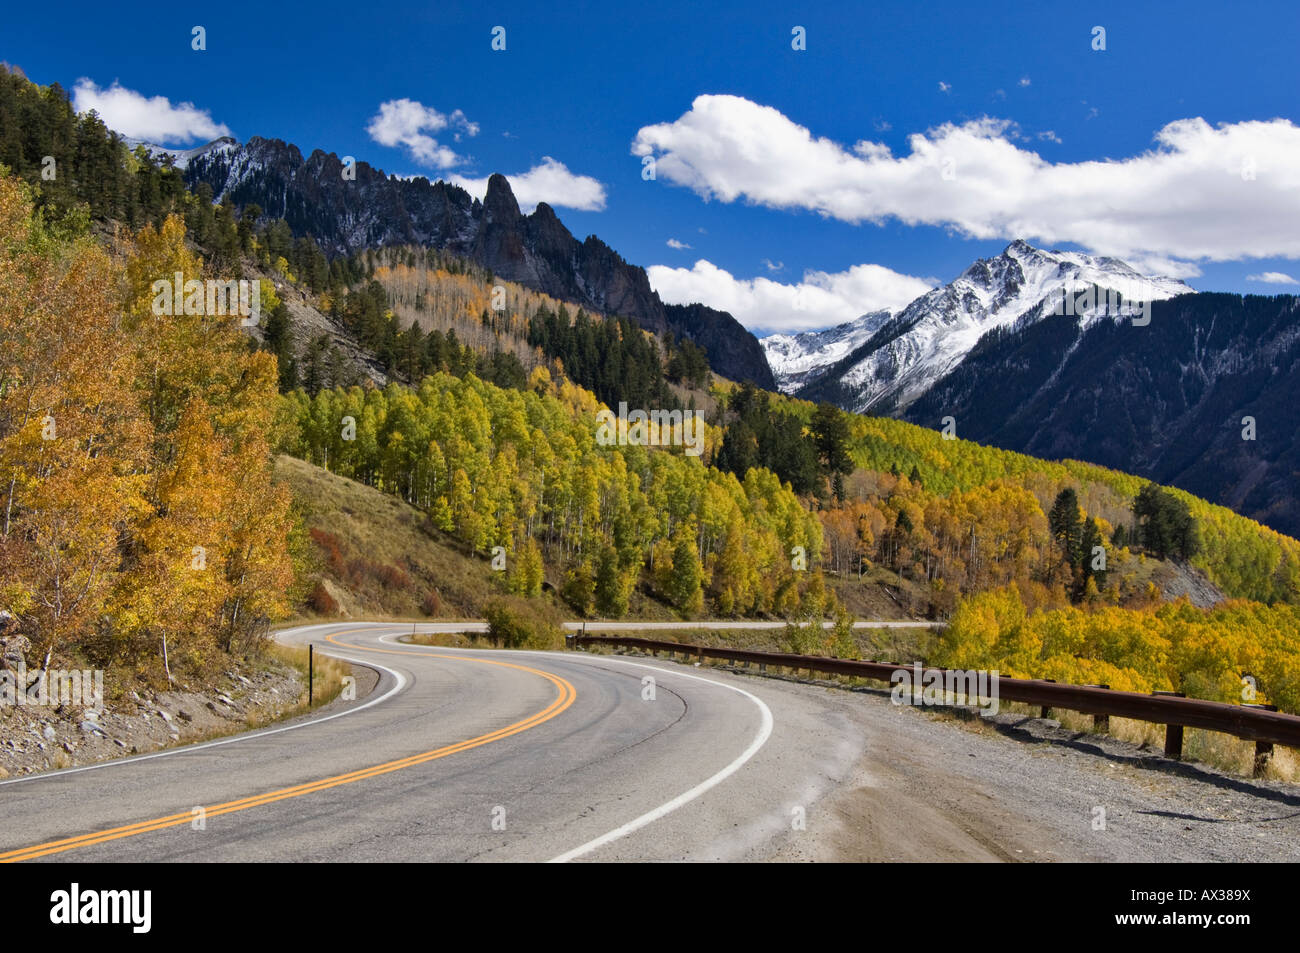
376	556
521	475
138	504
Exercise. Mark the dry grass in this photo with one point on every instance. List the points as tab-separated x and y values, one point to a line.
380	557
879	594
329	673
1222	752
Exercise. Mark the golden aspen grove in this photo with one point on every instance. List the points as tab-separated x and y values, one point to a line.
522	469
138	502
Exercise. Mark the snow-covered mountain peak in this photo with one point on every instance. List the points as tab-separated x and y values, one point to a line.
897	359
794	357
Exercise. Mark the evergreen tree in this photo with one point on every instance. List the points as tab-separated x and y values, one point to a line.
684	583
830	433
611	589
1090	538
1165	526
1065	524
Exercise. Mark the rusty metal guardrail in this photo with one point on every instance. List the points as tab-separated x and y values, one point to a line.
1262	724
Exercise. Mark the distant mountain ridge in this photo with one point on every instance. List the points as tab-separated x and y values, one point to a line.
1199	391
1206	397
535	250
181	158
911	350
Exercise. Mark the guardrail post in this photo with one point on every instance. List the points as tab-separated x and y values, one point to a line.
1173	733
1101	722
1043	712
1263	754
1263	749
1174	742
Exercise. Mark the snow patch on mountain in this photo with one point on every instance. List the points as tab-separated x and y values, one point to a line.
181	158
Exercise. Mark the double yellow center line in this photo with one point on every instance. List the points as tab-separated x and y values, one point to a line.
564	698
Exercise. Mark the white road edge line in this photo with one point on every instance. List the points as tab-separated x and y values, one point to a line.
136	759
760	739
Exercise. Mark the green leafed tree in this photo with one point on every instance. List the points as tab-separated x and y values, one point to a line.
686	578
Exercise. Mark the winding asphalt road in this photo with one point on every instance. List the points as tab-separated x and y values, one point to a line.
455	755
462	755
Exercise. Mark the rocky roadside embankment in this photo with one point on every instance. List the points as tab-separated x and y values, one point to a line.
44	737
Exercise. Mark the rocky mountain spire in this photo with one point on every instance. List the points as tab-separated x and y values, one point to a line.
536	250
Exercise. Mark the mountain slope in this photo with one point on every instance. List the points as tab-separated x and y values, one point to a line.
535	250
181	158
1165	401
933	334
724	340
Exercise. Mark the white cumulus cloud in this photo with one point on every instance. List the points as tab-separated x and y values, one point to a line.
1273	278
1201	192
407	123
674	243
820	300
549	181
152	118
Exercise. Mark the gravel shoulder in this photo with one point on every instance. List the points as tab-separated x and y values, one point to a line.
848	776
931	787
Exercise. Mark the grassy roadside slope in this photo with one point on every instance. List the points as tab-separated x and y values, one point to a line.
377	556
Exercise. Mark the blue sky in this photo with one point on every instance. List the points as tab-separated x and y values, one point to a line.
761	178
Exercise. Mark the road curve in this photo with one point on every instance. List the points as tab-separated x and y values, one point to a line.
468	755
456	755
